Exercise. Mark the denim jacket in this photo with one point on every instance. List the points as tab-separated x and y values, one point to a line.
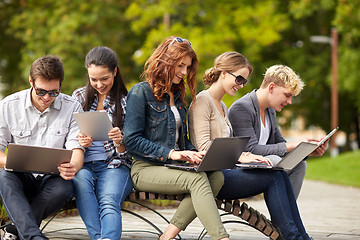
150	127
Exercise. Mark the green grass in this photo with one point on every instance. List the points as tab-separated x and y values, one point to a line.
344	169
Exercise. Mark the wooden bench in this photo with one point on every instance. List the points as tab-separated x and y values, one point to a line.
241	212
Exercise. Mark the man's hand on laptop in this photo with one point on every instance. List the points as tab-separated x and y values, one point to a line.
247	157
321	149
190	156
67	170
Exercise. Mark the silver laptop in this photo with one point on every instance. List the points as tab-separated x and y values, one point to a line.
223	153
24	158
94	124
293	158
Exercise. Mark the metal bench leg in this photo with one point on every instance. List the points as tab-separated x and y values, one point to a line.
146	220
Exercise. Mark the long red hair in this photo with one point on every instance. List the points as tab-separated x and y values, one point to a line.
159	69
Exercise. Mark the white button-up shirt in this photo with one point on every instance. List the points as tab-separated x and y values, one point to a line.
22	123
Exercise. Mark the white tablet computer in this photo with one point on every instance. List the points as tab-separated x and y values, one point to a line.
94	124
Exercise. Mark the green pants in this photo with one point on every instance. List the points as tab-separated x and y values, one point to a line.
200	188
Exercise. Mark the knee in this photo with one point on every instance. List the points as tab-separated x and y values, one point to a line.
216	178
6	176
8	180
64	190
112	199
301	168
82	179
195	179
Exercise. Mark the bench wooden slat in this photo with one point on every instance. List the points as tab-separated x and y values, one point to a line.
260	225
245	212
228	206
237	209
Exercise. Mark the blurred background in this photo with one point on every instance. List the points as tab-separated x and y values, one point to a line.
297	33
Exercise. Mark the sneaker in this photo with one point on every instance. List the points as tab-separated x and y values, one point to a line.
10	233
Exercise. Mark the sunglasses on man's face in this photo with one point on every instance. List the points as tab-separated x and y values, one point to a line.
239	80
43	92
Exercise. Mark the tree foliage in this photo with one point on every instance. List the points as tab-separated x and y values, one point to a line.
267	32
70	29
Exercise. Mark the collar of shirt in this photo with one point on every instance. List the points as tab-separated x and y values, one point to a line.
28	103
109	105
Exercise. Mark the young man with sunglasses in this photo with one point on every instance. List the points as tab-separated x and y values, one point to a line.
39	116
254	115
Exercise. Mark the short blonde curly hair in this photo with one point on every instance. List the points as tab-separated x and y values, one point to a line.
283	76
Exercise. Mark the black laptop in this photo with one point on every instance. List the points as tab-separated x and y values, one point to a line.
223	153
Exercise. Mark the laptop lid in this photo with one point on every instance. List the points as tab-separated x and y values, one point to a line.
94	124
300	152
327	136
293	158
288	162
24	158
223	153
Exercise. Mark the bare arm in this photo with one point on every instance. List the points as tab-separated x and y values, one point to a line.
247	157
321	149
116	135
2	159
68	170
191	156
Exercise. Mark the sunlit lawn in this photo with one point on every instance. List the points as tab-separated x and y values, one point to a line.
344	169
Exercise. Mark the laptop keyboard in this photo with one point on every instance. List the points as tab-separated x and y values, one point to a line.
183	166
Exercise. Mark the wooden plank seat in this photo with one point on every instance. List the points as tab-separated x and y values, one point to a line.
248	215
242	213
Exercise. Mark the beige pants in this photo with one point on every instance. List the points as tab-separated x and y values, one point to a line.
201	188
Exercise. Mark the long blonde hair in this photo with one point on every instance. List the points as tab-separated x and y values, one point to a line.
159	69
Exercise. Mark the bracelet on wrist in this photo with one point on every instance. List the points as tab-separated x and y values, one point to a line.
171	151
120	143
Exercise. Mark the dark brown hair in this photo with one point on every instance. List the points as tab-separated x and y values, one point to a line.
47	67
106	57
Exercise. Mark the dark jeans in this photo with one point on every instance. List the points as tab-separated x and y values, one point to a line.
279	197
28	201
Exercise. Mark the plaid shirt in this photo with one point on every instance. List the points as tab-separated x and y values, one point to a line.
114	158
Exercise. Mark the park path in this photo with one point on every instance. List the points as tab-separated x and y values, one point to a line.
329	212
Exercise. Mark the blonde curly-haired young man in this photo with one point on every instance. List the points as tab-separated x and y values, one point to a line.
254	115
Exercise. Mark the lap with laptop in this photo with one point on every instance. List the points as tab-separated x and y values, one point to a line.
25	158
223	153
293	158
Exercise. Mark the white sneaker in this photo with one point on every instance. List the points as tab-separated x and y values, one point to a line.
10	233
9	236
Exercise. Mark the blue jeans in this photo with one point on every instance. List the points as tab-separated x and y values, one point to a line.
279	197
28	201
100	193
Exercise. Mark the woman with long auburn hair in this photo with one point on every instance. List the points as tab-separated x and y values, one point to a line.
156	133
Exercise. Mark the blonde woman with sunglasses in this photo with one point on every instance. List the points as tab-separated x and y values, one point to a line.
208	119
